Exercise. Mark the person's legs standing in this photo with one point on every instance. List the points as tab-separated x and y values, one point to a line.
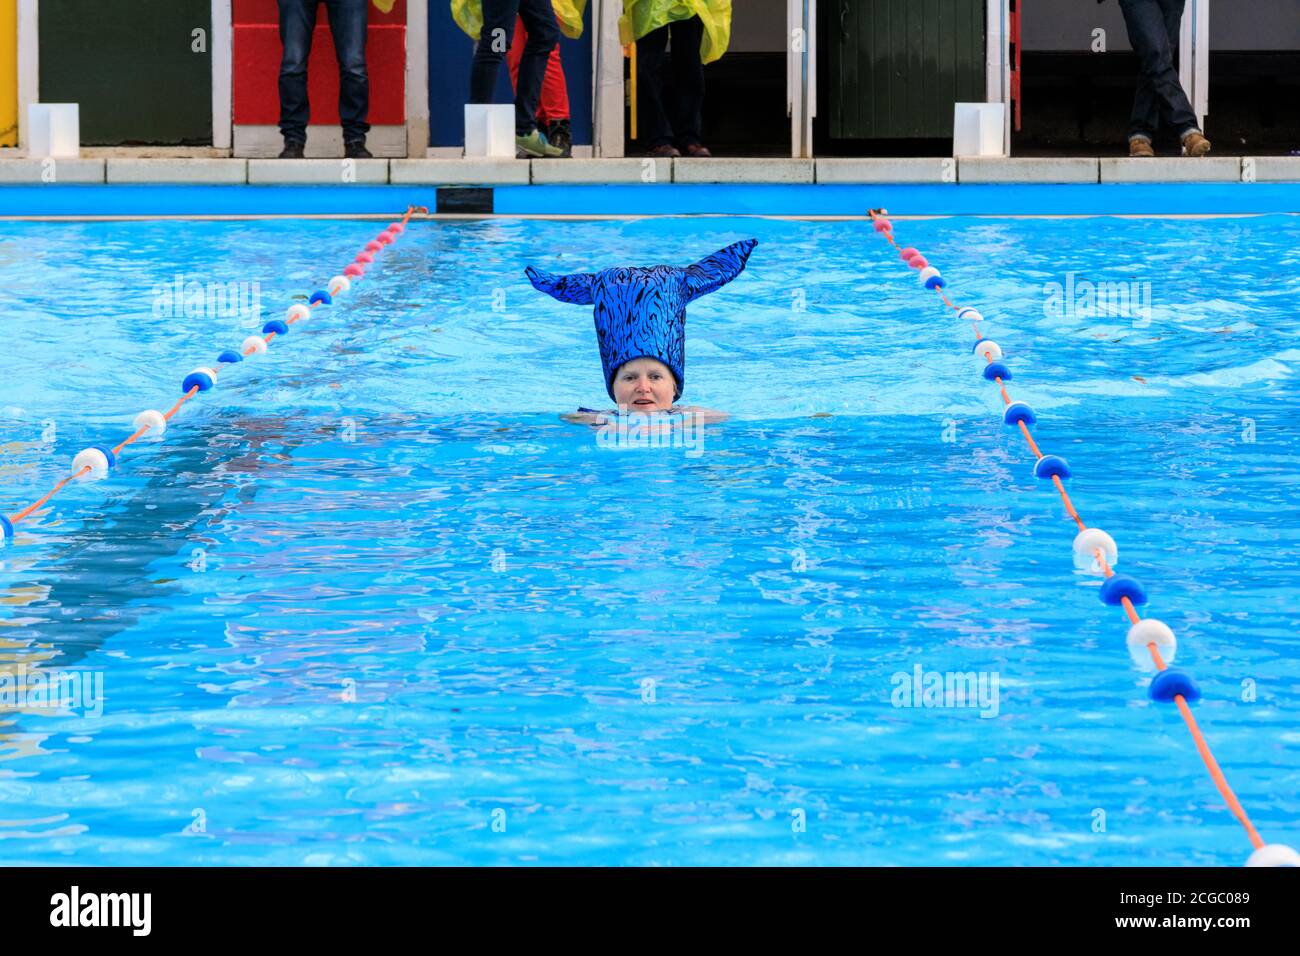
1176	110
297	20
1158	90
493	42
543	37
688	82
554	104
348	25
553	110
1145	24
554	101
516	51
656	131
553	107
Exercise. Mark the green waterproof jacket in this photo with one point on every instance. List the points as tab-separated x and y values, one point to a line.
468	15
643	16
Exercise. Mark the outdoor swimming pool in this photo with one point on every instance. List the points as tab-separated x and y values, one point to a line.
370	601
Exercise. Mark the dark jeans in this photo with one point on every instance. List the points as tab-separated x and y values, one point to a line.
490	53
1153	32
688	84
348	25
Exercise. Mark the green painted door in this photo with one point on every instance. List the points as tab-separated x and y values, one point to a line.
898	66
142	72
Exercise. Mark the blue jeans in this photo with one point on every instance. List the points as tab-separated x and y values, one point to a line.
490	53
1153	32
348	25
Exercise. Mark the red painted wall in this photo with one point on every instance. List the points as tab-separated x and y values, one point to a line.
255	87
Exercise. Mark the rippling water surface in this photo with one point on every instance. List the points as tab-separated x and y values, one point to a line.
372	602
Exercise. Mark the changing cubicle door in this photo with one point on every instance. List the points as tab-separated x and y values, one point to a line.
896	67
141	72
451	51
8	73
255	86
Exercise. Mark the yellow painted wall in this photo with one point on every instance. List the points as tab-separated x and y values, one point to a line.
8	72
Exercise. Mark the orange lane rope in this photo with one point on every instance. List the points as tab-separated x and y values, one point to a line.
1202	747
352	272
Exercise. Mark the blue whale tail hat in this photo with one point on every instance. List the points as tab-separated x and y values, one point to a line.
641	312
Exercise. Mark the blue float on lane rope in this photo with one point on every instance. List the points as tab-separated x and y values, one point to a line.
1168	684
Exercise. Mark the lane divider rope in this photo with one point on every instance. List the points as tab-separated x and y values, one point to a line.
98	461
1095	551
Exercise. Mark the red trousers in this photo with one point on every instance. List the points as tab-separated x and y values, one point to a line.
554	104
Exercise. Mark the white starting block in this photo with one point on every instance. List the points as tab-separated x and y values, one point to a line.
977	129
54	129
490	130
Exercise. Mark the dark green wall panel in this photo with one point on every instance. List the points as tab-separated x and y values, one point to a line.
130	65
898	66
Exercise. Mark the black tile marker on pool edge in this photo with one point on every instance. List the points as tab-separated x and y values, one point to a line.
464	199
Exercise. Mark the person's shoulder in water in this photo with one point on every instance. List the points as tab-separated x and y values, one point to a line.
596	416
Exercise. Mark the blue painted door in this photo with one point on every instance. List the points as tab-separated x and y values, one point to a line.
450	54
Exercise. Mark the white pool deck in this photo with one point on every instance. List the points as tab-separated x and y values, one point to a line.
173	169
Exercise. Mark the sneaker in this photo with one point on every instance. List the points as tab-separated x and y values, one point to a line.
535	146
1140	146
292	150
696	151
1194	144
356	150
663	152
560	135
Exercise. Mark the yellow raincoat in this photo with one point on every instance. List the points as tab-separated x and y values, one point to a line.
468	15
642	16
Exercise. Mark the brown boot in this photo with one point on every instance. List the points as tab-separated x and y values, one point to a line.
1194	144
1140	146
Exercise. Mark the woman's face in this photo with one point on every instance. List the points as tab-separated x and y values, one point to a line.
644	385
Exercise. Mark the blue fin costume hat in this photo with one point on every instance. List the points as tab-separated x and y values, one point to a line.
640	312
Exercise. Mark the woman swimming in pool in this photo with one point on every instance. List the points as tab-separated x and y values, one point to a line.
641	327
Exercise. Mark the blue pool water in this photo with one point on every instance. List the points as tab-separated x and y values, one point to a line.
372	602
